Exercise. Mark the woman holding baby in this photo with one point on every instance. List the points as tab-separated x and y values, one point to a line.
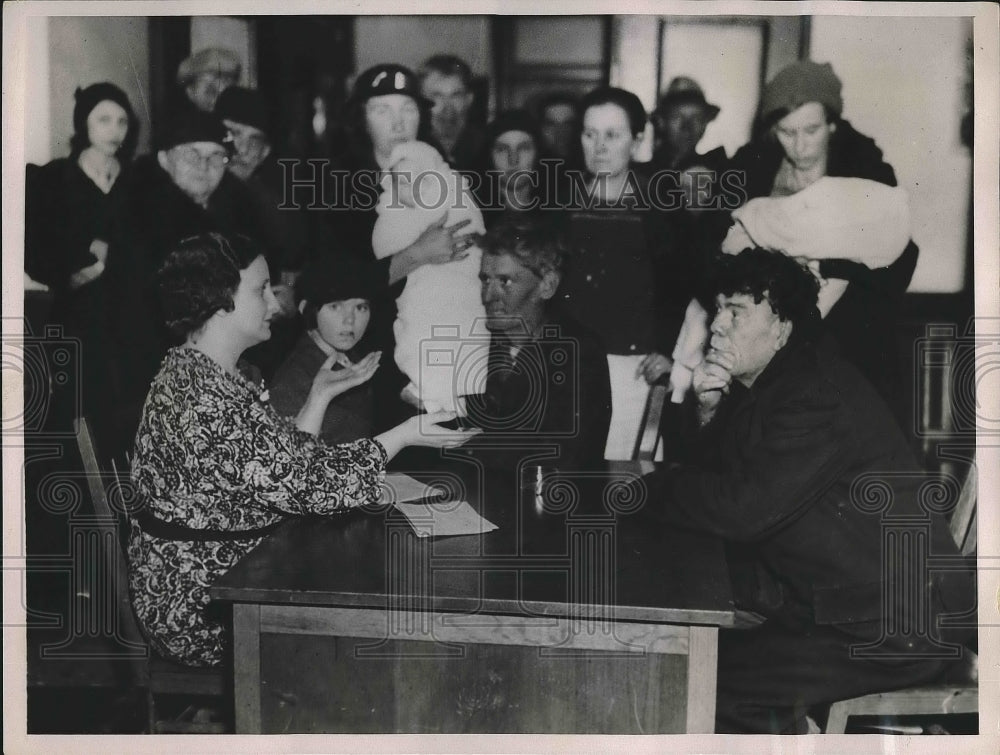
385	110
818	189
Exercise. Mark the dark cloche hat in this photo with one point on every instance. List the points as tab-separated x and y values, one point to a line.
193	126
387	78
244	106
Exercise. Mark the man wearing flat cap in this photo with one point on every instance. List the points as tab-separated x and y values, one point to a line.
206	74
182	190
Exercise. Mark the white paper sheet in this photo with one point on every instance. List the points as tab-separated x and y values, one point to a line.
399	488
443	518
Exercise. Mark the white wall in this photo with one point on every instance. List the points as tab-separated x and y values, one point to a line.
903	86
409	40
722	55
37	102
235	34
81	51
635	44
725	60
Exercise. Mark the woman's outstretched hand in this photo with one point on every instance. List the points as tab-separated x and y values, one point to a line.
425	430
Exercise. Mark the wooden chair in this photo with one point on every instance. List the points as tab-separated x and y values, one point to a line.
956	692
649	429
157	675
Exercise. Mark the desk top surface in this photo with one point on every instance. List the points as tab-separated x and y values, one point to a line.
591	548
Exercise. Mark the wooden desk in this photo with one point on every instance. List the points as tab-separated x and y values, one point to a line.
583	618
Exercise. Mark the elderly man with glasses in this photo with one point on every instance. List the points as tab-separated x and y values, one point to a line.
247	118
180	191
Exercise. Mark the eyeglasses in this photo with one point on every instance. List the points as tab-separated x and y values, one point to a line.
192	158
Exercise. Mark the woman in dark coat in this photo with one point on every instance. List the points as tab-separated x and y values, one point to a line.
70	207
804	139
626	281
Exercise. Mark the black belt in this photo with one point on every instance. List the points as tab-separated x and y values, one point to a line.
153	525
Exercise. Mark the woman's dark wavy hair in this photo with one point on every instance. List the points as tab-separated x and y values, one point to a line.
624	99
788	287
200	277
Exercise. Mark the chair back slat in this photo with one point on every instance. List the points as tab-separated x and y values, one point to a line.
649	430
964	515
115	561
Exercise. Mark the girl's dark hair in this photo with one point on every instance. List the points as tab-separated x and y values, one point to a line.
200	277
89	98
333	277
624	99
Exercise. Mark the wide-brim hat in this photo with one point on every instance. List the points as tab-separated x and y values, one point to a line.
387	78
685	91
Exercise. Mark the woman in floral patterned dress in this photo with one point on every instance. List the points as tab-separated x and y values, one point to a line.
216	466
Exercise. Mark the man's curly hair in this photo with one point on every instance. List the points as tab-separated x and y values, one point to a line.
789	288
200	277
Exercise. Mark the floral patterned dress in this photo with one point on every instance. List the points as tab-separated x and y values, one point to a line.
211	454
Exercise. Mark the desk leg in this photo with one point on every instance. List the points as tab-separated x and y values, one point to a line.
703	663
246	667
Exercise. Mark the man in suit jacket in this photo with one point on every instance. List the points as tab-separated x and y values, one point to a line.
797	463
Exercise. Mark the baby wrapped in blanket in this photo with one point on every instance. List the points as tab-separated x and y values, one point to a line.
853	219
441	341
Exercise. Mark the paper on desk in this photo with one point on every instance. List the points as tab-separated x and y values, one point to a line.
398	488
443	518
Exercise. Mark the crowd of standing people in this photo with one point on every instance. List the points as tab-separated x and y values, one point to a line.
274	355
